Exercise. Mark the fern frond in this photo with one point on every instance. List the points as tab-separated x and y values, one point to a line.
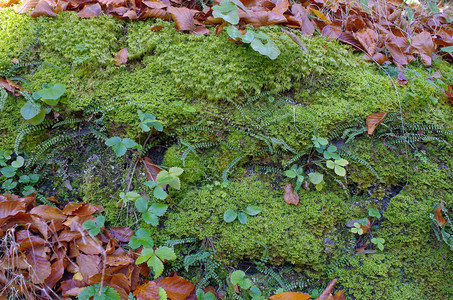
230	166
294	159
47	144
191	259
172	243
359	160
27	128
68	121
3	96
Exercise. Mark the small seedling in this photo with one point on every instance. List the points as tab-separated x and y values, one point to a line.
120	146
94	228
338	166
94	292
379	242
202	296
143	238
238	278
230	215
154	257
374	213
148	121
357	229
150	214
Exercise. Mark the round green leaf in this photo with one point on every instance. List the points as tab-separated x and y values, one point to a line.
237	276
28	190
113	141
176	171
141	204
330	164
242	218
159	193
19	162
8	172
315	177
129	143
158	209
253	210
340	171
9	184
230	215
30	110
290	173
53	92
38	118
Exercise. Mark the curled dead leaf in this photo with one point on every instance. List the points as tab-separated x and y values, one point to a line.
90	11
121	57
402	79
43	9
290	296
438	214
373	120
290	197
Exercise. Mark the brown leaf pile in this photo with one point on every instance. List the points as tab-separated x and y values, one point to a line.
383	30
47	252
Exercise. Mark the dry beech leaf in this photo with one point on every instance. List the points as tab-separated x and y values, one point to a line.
290	296
373	120
121	57
176	287
121	234
449	94
327	293
438	214
89	265
157	28
147	291
26	6
183	18
42	9
339	295
366	227
402	79
423	45
57	270
89	245
367	37
48	213
321	16
290	196
90	11
118	260
39	268
151	170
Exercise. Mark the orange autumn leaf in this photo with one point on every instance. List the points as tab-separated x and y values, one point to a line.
327	293
147	291
290	196
320	15
176	287
290	296
121	57
373	120
438	214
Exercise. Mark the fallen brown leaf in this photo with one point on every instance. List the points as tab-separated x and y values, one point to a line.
290	196
121	57
373	120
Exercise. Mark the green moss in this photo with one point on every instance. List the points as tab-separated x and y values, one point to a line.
292	233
